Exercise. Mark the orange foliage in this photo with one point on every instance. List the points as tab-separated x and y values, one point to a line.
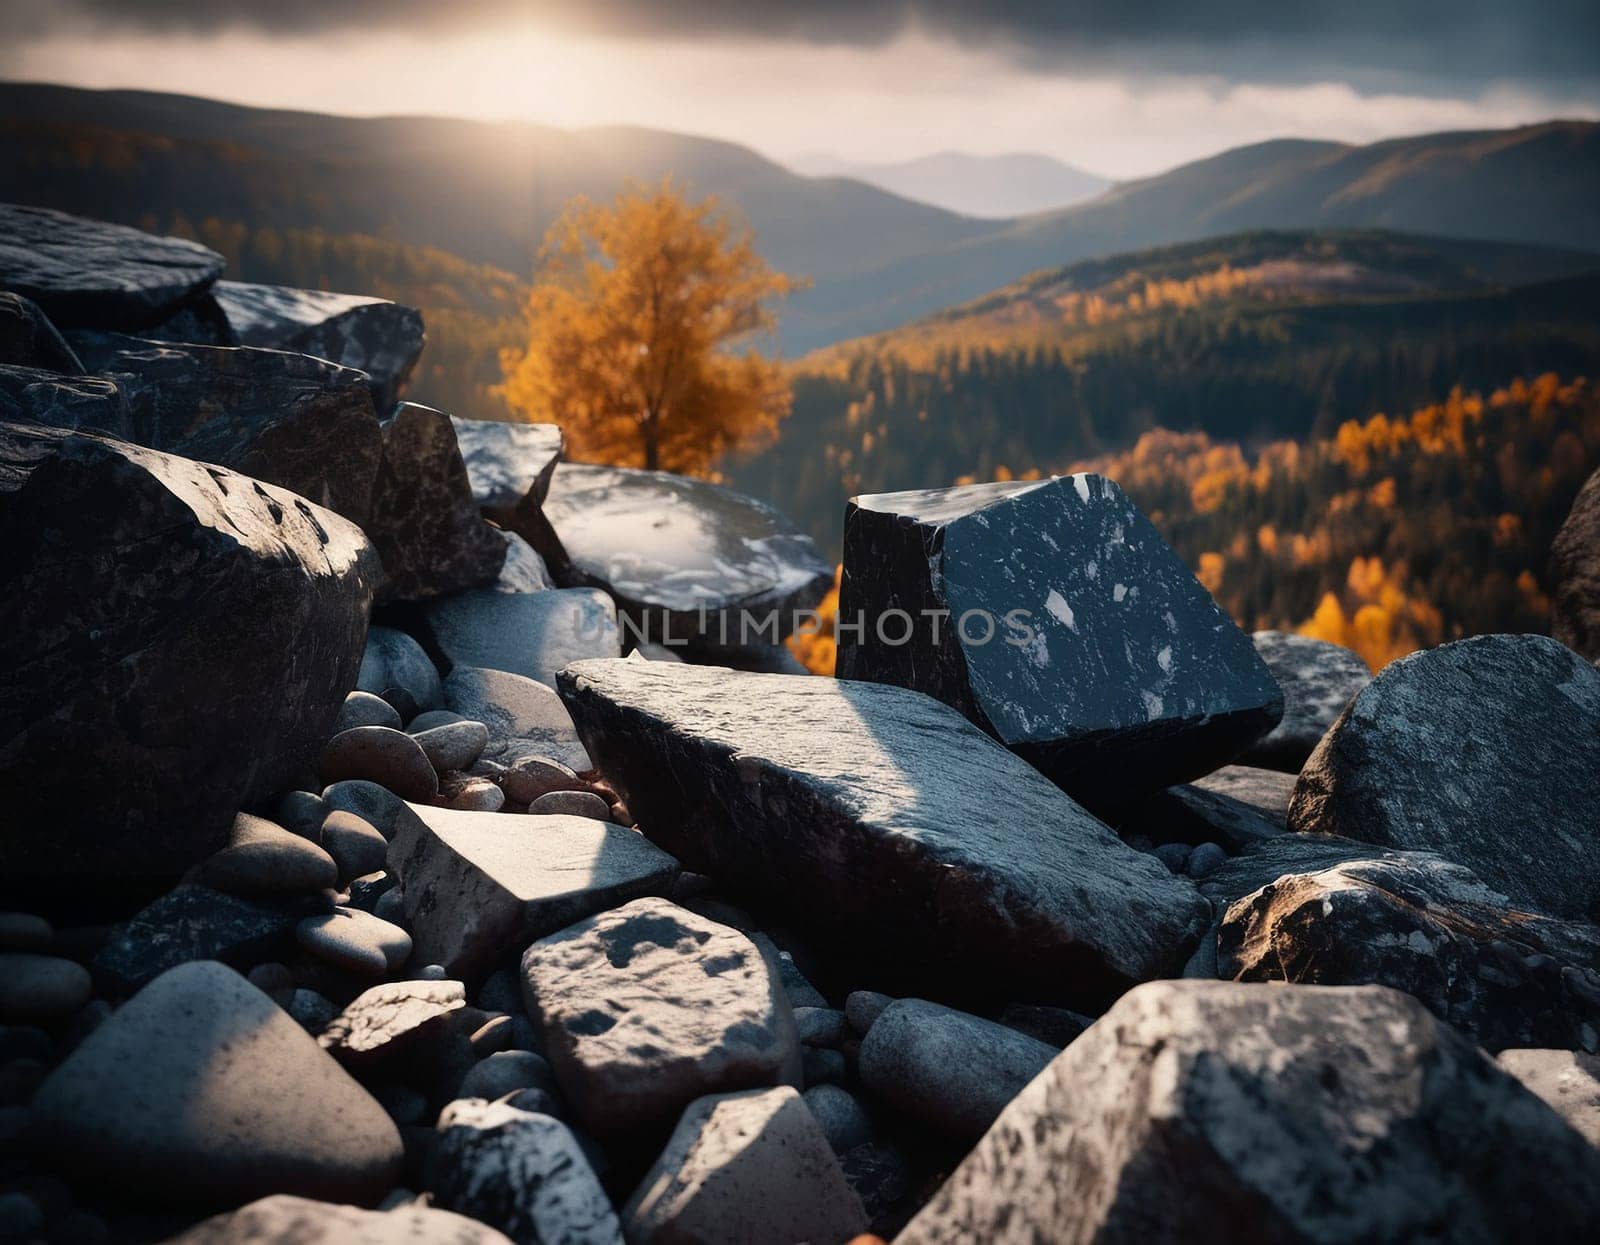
815	646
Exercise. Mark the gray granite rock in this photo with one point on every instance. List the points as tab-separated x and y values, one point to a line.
524	717
261	858
454	746
366	709
1073	634
753	1166
388	1020
533	634
90	274
1318	680
29	340
1266	791
231	1100
382	755
1575	574
881	821
1055	1026
647	1007
682	558
148	585
842	1118
510	465
40	989
355	942
523	570
1486	751
394	659
284	1220
1192	1104
478	886
862	1007
1568	1080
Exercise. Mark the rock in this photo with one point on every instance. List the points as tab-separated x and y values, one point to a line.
378	754
472	795
1486	751
756	658
455	746
1224	807
379	807
354	843
682	558
1503	978
283	1220
1265	791
1054	1026
533	634
947	1069
355	941
301	813
28	339
1318	680
529	777
40	989
394	659
197	923
261	858
231	1100
379	338
432	718
862	1007
571	804
1575	574
389	1019
1204	860
21	1218
23	931
477	886
366	709
1088	648
821	1026
510	465
1174	855
89	274
1569	1081
424	524
524	716
1192	1101
506	1072
754	1166
520	1172
303	424
149	585
819	1066
843	1120
881	821
523	570
647	1007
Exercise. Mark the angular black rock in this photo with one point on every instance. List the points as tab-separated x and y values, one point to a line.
177	641
886	824
682	558
288	419
1486	751
380	338
1072	633
510	465
31	396
1318	680
1575	574
423	522
28	339
89	274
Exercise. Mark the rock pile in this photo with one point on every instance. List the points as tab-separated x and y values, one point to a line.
451	922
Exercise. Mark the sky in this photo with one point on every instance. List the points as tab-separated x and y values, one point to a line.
1122	89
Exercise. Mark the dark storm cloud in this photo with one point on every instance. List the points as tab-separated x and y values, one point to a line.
1443	45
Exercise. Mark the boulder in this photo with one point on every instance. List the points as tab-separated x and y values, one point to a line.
1486	751
524	717
424	524
1502	977
533	634
30	395
280	1220
1575	574
510	465
141	586
523	570
380	338
682	558
887	826
28	339
231	1100
478	886
1192	1104
393	659
753	1166
1318	680
1053	615
389	1019
1568	1080
90	274
647	1007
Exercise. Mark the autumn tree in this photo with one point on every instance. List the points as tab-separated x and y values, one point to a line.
633	326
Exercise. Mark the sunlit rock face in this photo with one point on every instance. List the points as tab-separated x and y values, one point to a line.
510	464
683	558
1054	616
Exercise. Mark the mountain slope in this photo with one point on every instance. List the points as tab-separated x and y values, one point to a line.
992	187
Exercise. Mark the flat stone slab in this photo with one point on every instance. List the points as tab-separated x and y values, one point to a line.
1070	631
524	717
533	634
510	464
479	886
90	274
388	1019
282	1220
885	824
1318	680
682	558
1568	1080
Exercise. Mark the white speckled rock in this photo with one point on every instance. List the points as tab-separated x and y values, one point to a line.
283	1220
1568	1080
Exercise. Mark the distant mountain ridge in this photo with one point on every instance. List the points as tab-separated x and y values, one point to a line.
987	187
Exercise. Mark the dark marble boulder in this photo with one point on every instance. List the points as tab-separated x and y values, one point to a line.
1502	977
1318	680
682	558
1486	751
1053	615
288	419
177	641
1305	1114
93	275
202	323
28	339
424	524
47	398
380	338
510	465
886	824
1575	572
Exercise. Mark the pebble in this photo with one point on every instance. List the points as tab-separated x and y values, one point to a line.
1174	855
355	941
506	1073
366	890
354	843
453	746
402	702
572	804
433	972
382	755
404	1104
1205	860
40	989
492	1036
821	1026
20	1218
844	1120
365	709
820	1066
261	858
432	718
862	1007
390	906
529	777
302	813
377	805
22	931
18	1080
472	795
272	979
